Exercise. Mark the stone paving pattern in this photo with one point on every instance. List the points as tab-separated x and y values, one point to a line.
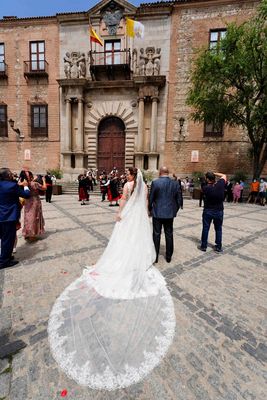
220	348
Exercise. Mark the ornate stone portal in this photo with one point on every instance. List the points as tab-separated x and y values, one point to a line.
88	97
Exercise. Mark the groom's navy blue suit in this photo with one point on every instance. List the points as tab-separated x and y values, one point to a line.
9	216
164	202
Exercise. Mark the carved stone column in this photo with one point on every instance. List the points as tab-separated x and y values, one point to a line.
153	156
141	112
139	157
79	139
154	120
68	126
67	136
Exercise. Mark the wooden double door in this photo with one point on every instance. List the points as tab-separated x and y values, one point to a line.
111	145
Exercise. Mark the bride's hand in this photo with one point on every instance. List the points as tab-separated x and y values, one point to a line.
118	217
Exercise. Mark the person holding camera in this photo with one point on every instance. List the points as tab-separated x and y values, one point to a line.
10	192
33	214
213	209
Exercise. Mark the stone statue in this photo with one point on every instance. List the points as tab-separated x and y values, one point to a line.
67	65
149	62
74	72
134	61
90	61
81	66
150	51
156	67
142	62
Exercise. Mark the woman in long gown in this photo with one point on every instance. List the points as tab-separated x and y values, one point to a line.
113	192
113	325
33	214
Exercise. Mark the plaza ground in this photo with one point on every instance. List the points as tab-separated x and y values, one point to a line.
220	349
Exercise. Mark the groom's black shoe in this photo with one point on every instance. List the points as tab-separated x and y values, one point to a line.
168	259
9	264
156	261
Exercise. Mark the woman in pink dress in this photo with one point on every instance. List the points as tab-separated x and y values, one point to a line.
33	215
237	192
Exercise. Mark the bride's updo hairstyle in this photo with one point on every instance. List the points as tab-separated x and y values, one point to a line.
133	171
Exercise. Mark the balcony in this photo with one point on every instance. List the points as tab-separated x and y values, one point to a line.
110	65
3	70
36	69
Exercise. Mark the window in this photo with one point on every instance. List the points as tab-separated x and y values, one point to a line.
39	120
3	121
37	56
215	37
2	57
112	52
212	130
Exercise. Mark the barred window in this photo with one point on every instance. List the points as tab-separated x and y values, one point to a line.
37	56
39	120
213	129
216	35
2	57
3	121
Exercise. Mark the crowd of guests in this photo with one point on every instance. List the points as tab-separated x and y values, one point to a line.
19	192
257	191
111	185
24	191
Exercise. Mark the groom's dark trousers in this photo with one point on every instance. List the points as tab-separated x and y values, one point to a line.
168	230
164	201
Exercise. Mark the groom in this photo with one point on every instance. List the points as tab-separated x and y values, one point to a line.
164	202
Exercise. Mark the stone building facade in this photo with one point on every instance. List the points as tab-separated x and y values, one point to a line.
113	98
123	104
29	99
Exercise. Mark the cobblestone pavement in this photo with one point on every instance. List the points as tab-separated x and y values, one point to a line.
220	347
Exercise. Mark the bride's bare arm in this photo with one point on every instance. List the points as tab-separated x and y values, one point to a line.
123	200
147	199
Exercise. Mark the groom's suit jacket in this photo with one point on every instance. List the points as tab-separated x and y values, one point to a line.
165	198
9	200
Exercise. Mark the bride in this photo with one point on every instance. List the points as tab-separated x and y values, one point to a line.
114	324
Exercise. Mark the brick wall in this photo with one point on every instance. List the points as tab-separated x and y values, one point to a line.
18	94
191	24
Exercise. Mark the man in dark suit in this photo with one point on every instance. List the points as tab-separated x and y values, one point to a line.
213	209
164	202
10	192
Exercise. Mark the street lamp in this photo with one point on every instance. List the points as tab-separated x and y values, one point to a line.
12	124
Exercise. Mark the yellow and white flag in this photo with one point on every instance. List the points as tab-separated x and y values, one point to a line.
134	28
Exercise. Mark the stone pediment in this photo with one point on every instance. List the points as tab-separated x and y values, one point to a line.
98	9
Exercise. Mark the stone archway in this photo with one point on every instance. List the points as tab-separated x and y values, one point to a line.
111	144
100	111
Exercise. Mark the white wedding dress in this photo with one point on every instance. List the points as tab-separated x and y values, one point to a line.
113	325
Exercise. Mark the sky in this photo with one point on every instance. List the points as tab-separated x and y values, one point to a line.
35	8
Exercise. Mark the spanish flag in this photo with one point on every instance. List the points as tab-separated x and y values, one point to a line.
94	37
134	28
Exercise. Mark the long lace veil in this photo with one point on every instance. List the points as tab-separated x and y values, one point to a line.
113	325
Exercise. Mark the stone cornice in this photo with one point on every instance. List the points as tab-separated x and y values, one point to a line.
158	80
73	17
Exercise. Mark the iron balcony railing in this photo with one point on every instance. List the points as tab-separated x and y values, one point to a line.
110	57
39	67
3	69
